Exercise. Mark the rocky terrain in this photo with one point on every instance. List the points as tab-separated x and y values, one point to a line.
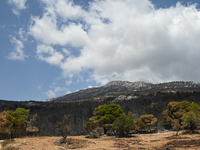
115	88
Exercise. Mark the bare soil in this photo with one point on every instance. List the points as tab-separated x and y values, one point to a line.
157	141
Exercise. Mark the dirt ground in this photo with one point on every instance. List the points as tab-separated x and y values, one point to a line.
157	141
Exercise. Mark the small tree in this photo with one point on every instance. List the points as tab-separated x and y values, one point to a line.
63	126
190	120
124	124
105	115
13	121
146	122
31	125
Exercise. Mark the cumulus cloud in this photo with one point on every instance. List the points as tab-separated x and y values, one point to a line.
120	40
48	54
56	90
59	89
17	53
18	5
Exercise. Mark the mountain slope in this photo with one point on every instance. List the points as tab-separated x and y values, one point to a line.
116	88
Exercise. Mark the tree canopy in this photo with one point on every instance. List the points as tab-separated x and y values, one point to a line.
13	121
124	124
106	115
145	122
181	113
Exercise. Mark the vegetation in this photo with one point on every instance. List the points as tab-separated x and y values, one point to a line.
124	124
63	126
31	128
105	115
145	122
90	128
176	126
12	122
175	110
181	113
190	120
176	116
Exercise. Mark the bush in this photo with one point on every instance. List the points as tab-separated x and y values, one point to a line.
94	134
32	130
90	126
145	122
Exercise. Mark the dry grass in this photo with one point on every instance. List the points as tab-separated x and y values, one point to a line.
156	141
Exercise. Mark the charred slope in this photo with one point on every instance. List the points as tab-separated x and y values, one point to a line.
115	88
51	112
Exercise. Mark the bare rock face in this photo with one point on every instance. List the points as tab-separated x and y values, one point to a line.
128	84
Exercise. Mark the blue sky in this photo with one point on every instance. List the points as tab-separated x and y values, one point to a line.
53	47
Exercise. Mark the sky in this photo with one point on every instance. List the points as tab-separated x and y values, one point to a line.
54	47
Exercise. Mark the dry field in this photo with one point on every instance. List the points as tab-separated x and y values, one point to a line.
157	141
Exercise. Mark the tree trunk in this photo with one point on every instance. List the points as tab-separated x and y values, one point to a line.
105	130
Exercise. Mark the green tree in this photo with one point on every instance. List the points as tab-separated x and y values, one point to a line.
63	127
190	120
179	111
105	115
145	122
14	121
124	124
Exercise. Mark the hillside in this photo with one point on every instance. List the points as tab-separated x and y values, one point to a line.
138	97
116	88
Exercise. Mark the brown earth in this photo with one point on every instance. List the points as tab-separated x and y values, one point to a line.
157	141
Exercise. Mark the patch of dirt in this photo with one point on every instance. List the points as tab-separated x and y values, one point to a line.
158	141
73	143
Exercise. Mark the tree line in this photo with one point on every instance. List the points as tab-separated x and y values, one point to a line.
178	115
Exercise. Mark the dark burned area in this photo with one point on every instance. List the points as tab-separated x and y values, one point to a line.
80	111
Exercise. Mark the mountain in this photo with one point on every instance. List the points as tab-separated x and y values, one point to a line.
137	97
116	88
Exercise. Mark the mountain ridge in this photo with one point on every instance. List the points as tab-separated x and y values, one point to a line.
116	88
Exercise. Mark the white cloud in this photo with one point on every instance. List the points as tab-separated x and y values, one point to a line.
54	57
17	53
67	52
68	92
59	89
120	40
22	34
50	94
18	5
